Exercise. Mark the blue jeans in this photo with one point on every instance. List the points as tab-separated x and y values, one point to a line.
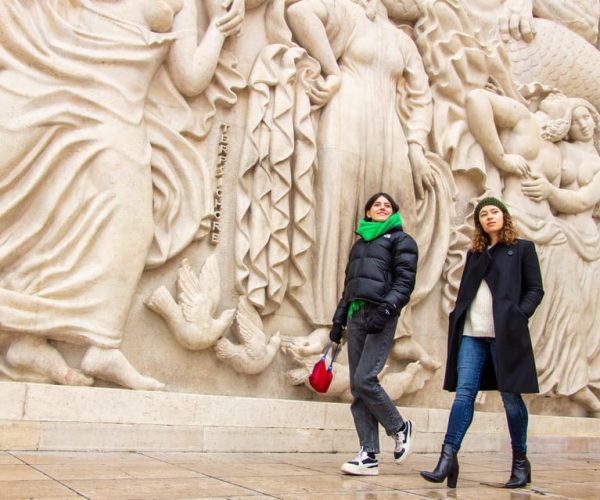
472	355
367	354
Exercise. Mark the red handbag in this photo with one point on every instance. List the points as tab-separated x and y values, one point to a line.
322	374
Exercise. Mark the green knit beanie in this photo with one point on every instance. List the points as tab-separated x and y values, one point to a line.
489	201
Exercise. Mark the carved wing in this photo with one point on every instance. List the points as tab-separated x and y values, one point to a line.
210	281
198	292
227	351
189	291
250	334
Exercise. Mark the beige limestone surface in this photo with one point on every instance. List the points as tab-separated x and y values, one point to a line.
57	418
286	476
180	182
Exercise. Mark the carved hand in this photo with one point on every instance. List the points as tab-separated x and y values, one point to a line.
230	23
538	188
323	90
423	177
514	164
516	21
493	86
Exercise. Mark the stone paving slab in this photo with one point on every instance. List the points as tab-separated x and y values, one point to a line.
287	476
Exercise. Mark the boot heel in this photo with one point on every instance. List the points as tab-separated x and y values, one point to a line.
520	473
453	477
447	468
452	480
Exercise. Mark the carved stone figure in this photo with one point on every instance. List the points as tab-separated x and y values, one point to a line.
76	202
542	51
140	136
460	44
191	320
274	196
362	143
255	352
396	384
460	55
521	144
574	201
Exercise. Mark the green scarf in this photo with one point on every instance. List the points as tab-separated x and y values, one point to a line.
369	230
354	306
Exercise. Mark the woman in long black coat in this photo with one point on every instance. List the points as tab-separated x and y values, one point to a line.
489	346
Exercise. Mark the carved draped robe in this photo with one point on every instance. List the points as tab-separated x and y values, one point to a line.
76	190
363	143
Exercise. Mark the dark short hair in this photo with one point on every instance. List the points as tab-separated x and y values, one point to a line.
371	201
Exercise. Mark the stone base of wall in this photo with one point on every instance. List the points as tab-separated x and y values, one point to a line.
53	418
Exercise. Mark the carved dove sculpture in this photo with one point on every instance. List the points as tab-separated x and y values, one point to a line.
254	353
190	319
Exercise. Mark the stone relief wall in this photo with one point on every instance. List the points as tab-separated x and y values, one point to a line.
181	180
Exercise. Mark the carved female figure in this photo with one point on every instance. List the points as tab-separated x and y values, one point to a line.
574	201
76	219
459	41
521	144
364	146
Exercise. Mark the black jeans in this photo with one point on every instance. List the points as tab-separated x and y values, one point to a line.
367	354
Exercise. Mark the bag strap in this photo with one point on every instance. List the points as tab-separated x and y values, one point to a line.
334	354
336	350
324	355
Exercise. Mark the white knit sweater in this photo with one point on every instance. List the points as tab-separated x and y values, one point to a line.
480	317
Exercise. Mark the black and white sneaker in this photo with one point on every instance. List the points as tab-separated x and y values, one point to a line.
362	465
404	442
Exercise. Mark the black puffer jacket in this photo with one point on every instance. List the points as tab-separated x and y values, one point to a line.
380	270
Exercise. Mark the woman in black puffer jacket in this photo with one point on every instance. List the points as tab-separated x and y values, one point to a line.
380	276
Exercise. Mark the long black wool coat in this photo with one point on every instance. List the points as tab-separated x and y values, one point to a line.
513	275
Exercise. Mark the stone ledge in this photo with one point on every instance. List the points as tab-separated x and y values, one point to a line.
49	417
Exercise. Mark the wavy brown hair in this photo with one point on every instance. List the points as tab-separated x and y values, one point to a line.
507	235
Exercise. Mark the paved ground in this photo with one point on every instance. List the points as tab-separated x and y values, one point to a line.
51	475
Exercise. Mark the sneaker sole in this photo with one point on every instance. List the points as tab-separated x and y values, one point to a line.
353	470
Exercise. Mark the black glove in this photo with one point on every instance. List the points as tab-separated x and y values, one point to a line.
335	334
379	317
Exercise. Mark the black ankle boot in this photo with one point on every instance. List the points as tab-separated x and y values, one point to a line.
520	474
447	467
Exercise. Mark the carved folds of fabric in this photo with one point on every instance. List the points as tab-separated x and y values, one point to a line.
275	220
560	350
183	189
